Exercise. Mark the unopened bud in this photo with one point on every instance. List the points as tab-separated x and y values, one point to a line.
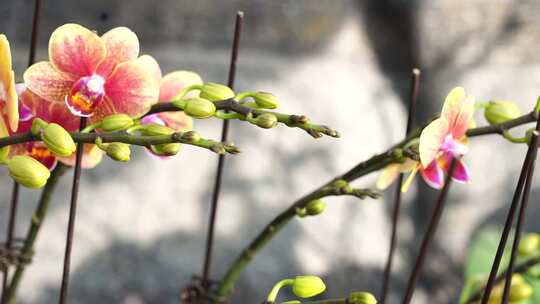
199	108
362	297
529	244
118	151
315	207
266	120
191	136
215	91
116	122
308	286
519	292
500	111
28	172
156	129
58	140
266	100
166	149
4	153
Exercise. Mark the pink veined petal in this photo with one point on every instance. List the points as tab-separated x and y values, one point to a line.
92	156
132	89
178	120
122	45
458	110
44	80
433	175
431	140
48	111
151	65
388	176
461	173
174	82
76	50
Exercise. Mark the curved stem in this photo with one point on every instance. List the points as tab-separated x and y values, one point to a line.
35	225
272	296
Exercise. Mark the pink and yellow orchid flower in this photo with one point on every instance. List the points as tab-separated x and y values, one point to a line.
9	113
441	141
33	106
94	76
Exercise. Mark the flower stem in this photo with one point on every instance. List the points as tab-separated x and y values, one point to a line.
37	220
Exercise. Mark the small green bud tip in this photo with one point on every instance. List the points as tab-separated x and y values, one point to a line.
191	136
292	302
116	122
28	172
498	112
58	140
215	91
308	286
529	244
166	149
315	207
118	151
156	129
266	100
362	297
199	108
266	120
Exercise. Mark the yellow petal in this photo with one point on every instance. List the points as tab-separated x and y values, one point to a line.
388	176
5	65
12	105
3	128
408	181
431	139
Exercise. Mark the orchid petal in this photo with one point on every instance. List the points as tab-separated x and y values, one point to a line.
151	65
431	140
44	80
48	111
92	156
433	175
174	82
76	50
461	173
458	110
12	105
3	127
178	120
388	176
5	64
132	89
408	182
122	45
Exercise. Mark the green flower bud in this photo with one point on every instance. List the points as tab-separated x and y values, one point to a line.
4	153
315	207
266	120
199	108
362	297
529	244
156	129
308	286
500	111
58	140
519	292
191	136
292	302
118	151
215	91
116	122
266	100
28	172
166	149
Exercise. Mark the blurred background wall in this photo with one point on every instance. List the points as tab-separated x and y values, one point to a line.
141	227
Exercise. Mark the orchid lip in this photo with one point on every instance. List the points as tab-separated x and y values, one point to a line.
25	114
453	146
86	95
42	154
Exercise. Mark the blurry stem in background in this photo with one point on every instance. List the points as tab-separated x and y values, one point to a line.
375	163
415	82
35	224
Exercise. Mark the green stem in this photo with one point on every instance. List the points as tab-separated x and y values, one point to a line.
37	220
375	163
272	296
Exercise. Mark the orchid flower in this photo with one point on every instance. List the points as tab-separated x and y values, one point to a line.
441	141
9	115
170	85
32	106
95	76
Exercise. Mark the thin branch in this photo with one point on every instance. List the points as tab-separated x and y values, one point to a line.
139	140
